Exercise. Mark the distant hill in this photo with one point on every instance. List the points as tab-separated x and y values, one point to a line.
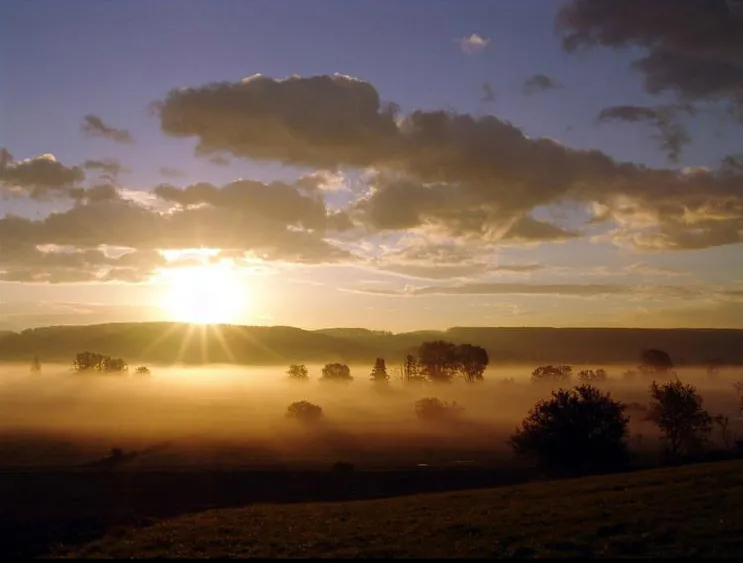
175	342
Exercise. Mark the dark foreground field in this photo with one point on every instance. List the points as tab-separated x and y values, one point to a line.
684	511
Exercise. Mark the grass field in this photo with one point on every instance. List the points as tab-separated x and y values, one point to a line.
692	510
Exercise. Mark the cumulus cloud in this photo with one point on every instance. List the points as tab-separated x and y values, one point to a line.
39	177
93	126
466	176
691	48
539	83
474	43
671	134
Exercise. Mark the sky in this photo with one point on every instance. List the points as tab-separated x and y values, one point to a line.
403	165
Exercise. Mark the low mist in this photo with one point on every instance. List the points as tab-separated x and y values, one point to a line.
228	416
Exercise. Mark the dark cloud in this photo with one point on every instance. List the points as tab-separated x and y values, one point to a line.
39	177
218	160
109	169
27	263
170	172
539	83
488	93
317	121
469	177
93	126
692	48
671	134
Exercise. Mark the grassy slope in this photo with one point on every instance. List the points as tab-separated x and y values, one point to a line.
691	510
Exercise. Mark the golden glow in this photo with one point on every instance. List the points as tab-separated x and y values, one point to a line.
204	294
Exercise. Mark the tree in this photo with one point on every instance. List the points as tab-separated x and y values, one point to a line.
298	372
551	374
434	409
142	371
304	411
411	370
676	408
590	376
336	372
655	362
576	430
85	361
114	365
35	365
438	360
473	360
379	372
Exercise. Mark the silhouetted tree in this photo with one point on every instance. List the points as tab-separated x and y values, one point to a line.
35	365
336	372
85	361
432	408
411	370
142	371
576	430
298	372
655	362
304	411
379	372
551	374
591	376
438	360
726	436
114	365
676	408
473	360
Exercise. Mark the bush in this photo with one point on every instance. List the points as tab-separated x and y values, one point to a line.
435	409
142	370
304	411
676	408
575	431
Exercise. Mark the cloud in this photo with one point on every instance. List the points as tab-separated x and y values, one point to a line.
318	121
488	94
563	290
109	168
170	172
645	269
671	134
539	83
691	48
218	160
465	176
93	126
474	43
39	177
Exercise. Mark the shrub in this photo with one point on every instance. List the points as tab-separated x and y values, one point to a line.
304	411
575	431
434	409
142	370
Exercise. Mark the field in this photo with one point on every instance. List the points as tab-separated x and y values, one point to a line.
691	511
195	439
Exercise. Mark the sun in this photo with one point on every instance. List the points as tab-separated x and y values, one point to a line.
208	294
